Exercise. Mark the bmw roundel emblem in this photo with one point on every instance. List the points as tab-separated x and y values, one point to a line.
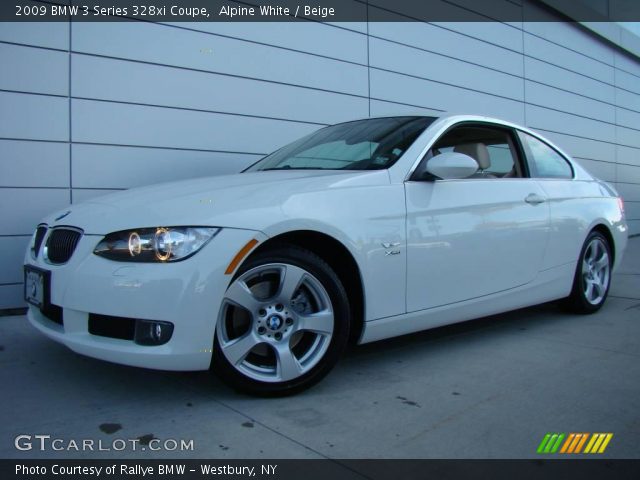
274	322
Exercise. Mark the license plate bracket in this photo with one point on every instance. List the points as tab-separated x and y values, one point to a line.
37	286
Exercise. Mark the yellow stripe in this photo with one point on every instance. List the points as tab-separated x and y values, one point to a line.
596	445
574	443
591	442
567	442
606	442
583	439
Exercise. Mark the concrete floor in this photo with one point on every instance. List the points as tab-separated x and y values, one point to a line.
490	388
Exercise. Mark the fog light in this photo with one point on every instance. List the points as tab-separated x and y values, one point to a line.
153	333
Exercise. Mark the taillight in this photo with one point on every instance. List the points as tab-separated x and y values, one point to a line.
621	204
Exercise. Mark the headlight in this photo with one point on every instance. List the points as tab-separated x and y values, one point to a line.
156	245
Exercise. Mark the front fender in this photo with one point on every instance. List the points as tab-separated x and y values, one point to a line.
350	220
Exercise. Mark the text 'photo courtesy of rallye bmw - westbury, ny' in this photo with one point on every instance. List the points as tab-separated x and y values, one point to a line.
142	471
357	232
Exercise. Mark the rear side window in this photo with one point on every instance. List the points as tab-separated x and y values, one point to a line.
544	161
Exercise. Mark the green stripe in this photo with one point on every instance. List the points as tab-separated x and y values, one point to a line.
558	442
550	443
543	443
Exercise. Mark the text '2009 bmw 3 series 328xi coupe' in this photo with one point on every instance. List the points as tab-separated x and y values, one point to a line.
360	231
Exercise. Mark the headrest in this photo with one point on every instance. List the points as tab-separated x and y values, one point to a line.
477	151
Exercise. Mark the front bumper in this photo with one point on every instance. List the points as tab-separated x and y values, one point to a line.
188	294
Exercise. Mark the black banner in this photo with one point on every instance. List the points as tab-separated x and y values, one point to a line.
320	10
583	469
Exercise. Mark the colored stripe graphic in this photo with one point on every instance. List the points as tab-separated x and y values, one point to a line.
574	443
581	443
570	438
543	443
551	442
605	443
576	439
591	442
598	442
555	447
596	445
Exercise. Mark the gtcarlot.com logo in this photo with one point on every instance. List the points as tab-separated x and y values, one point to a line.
48	443
575	443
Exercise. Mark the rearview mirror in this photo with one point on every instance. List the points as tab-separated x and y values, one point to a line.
452	165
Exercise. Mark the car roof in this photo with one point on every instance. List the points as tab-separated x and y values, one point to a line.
452	118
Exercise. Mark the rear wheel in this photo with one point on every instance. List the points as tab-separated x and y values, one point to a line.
284	323
593	275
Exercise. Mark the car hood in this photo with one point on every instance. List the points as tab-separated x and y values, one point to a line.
245	200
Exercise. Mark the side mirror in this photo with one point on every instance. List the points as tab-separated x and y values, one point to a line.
452	165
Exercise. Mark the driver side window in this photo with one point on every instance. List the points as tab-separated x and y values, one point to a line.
492	148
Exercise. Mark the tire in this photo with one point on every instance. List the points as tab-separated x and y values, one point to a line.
592	278
283	323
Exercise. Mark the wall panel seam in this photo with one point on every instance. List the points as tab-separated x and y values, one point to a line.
436	25
25	92
584	138
615	105
264	44
440	54
569	48
147	62
199	110
40	47
233	75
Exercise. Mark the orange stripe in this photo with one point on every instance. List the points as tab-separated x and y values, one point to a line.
567	443
584	439
574	443
240	256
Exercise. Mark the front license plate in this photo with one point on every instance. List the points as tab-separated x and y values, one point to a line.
36	286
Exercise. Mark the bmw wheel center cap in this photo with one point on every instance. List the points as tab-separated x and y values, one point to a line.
274	322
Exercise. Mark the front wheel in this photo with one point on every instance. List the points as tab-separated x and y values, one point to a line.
283	324
593	275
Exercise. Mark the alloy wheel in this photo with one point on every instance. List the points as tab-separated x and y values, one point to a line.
596	270
276	322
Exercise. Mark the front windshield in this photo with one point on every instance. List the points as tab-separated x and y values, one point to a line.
370	144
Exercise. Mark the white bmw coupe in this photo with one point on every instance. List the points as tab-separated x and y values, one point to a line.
360	231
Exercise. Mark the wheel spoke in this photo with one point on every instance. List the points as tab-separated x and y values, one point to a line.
599	288
589	290
602	263
290	279
588	254
585	267
237	350
288	365
240	294
320	323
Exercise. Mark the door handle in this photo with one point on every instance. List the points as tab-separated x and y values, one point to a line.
534	199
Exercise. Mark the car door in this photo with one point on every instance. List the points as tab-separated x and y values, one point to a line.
565	197
471	237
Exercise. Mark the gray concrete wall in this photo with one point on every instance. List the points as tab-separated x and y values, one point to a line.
88	108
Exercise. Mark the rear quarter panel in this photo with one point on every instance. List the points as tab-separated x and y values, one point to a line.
577	206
